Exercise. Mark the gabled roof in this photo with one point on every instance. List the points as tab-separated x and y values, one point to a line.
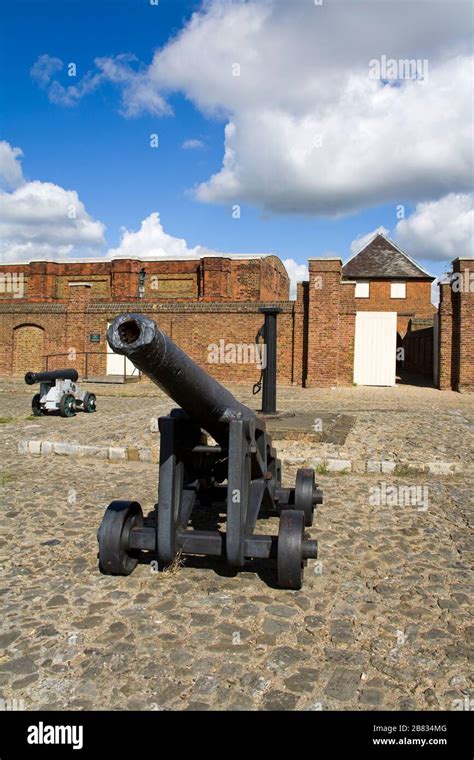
382	259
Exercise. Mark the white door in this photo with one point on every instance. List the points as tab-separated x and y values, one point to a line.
118	364
375	348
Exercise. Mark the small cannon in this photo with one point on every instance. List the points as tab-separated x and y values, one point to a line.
59	392
238	474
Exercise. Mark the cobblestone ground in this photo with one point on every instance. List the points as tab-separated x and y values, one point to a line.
383	620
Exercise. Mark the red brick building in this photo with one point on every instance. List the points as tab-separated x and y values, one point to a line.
388	279
56	314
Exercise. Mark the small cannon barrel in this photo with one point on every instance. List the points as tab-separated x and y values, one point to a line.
204	399
56	374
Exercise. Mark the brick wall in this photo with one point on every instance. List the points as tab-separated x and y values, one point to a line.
194	327
416	304
445	337
211	278
274	281
205	330
324	305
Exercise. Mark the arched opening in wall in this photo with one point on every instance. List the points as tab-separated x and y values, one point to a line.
28	349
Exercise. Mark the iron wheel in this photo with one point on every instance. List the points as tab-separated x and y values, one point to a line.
89	403
290	549
66	405
304	494
36	406
120	517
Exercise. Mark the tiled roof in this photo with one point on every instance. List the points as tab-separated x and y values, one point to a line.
381	258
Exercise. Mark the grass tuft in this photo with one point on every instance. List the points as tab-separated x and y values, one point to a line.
5	478
174	567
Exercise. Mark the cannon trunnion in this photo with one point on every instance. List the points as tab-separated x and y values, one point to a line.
237	474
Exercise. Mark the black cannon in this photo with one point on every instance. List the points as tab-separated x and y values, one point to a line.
238	473
59	392
49	377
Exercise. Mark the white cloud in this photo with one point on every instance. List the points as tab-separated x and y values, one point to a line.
137	95
11	174
308	130
439	230
151	241
297	273
192	144
41	219
71	95
44	68
436	231
361	241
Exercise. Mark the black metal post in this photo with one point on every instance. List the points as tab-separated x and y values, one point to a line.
141	282
270	357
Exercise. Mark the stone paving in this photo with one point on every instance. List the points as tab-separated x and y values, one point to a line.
383	620
400	423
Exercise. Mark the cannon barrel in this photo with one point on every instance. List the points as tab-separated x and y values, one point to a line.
56	374
202	397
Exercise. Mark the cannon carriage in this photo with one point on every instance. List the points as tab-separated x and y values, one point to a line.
59	392
237	472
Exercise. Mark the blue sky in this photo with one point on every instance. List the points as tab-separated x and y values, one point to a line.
104	156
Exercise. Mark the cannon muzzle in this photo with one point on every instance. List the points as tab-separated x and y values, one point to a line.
57	374
202	397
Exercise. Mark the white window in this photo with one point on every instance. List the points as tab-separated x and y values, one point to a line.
398	290
362	290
